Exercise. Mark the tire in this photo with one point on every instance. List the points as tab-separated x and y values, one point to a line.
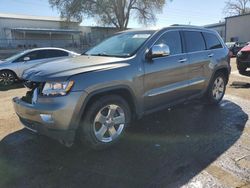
7	78
98	129
217	89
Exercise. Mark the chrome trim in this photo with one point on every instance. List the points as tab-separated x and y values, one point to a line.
33	130
182	60
170	88
211	55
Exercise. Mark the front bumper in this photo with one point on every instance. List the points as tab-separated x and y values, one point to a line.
241	62
64	112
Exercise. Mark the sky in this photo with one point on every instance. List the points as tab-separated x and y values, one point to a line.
194	12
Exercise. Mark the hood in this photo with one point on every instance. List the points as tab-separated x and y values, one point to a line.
246	49
62	69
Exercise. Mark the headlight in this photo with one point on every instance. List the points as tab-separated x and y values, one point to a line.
57	88
239	53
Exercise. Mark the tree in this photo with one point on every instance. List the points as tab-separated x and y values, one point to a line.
236	7
110	12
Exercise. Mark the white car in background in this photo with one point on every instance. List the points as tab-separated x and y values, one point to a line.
12	68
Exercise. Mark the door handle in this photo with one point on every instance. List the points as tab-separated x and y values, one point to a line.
210	55
182	60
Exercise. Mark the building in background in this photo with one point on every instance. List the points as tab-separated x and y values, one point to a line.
219	27
22	31
237	28
19	32
234	29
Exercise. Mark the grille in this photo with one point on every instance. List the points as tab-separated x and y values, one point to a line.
245	56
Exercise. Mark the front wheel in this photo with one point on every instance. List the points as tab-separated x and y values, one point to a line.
217	89
104	122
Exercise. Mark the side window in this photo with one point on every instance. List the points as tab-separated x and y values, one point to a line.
42	54
32	55
194	41
20	59
173	40
56	53
212	41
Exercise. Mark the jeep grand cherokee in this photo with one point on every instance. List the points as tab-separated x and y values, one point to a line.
96	95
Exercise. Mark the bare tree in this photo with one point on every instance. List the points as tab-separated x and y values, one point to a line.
110	12
236	7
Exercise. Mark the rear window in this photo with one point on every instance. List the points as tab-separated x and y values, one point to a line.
212	41
194	41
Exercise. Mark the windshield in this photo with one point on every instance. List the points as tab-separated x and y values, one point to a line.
14	57
120	45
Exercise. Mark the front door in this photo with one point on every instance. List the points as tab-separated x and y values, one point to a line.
165	79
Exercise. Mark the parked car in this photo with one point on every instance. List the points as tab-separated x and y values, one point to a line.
243	59
11	69
234	47
95	96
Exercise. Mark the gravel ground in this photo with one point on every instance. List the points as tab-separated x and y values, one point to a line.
188	146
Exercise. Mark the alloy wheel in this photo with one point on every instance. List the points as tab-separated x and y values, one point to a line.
218	88
109	123
6	78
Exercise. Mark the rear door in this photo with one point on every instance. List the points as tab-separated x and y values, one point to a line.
166	77
215	49
198	57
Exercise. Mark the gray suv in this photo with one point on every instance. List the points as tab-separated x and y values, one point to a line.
95	96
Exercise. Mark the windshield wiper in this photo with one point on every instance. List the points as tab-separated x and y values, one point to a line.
101	54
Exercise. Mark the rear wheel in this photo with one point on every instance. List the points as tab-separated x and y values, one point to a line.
7	78
217	88
104	122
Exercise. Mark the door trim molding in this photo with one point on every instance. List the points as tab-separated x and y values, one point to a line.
174	87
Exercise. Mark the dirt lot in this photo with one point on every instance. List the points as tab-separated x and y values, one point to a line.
191	145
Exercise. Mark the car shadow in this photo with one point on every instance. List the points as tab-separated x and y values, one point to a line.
14	86
165	149
238	85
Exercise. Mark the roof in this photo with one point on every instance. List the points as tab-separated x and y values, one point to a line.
178	26
169	27
30	17
49	48
215	25
237	16
41	30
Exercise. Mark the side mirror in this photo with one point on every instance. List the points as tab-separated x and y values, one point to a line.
26	58
159	50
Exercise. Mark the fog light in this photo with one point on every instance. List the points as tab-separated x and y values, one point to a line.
47	118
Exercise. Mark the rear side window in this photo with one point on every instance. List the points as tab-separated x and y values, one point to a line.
212	41
56	53
194	41
42	54
173	40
